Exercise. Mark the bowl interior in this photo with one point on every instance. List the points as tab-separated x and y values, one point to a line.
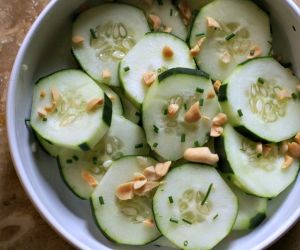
47	49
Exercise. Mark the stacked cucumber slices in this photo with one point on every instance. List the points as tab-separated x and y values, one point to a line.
185	140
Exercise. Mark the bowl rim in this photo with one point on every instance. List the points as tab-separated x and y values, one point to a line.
20	166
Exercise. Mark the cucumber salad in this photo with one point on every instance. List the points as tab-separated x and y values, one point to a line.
178	123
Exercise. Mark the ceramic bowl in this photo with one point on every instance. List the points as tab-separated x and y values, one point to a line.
46	49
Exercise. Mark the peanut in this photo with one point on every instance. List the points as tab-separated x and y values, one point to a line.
201	154
193	114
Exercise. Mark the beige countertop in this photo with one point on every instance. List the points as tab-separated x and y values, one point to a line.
21	227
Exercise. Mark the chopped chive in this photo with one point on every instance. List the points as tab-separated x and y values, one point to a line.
201	101
137	113
185	106
101	200
155	144
165	111
252	52
294	28
207	194
94	158
240	113
171	12
294	96
182	138
200	34
259	155
155	129
160	2
139	145
93	33
199	90
44	119
215	217
196	144
69	161
174	221
75	157
185	243
126	69
171	199
261	80
186	221
27	122
230	36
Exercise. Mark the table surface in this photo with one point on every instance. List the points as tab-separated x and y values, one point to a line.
21	227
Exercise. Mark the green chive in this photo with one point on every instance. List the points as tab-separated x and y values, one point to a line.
139	145
93	33
171	199
201	101
186	221
160	2
155	144
101	200
126	69
200	34
69	161
155	129
260	80
215	217
185	243
230	36
171	12
165	111
196	144
207	194
259	155
185	106
95	158
199	90
182	138
44	119
137	113
174	221
240	113
252	52
75	157
294	95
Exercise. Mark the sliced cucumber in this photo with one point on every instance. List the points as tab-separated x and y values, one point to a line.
252	209
169	137
50	148
123	138
121	221
250	98
70	125
147	56
243	27
194	208
115	99
260	175
109	32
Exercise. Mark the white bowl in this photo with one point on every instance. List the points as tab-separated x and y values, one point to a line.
45	49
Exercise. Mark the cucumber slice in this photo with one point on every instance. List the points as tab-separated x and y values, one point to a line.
50	148
169	137
243	27
198	213
147	56
123	138
109	31
250	99
121	221
115	99
70	125
252	209
259	175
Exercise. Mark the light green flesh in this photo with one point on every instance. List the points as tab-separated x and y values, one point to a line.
206	230
147	56
250	24
117	34
71	117
121	140
263	114
182	87
115	99
261	176
249	207
51	149
122	220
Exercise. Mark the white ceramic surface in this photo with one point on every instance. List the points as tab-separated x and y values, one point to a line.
45	49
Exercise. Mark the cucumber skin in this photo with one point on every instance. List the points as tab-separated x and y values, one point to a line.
257	220
180	70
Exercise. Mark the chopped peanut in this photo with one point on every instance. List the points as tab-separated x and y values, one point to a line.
259	148
294	149
155	21
288	161
139	180
42	113
125	191
195	51
211	94
267	149
150	185
283	94
212	23
298	87
201	154
172	109
77	39
297	138
149	222
92	104
220	119
167	52
161	169
254	52
225	57
111	97
42	93
150	174
216	131
168	29
149	78
217	85
106	74
185	11
193	114
283	147
89	179
50	108
55	95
